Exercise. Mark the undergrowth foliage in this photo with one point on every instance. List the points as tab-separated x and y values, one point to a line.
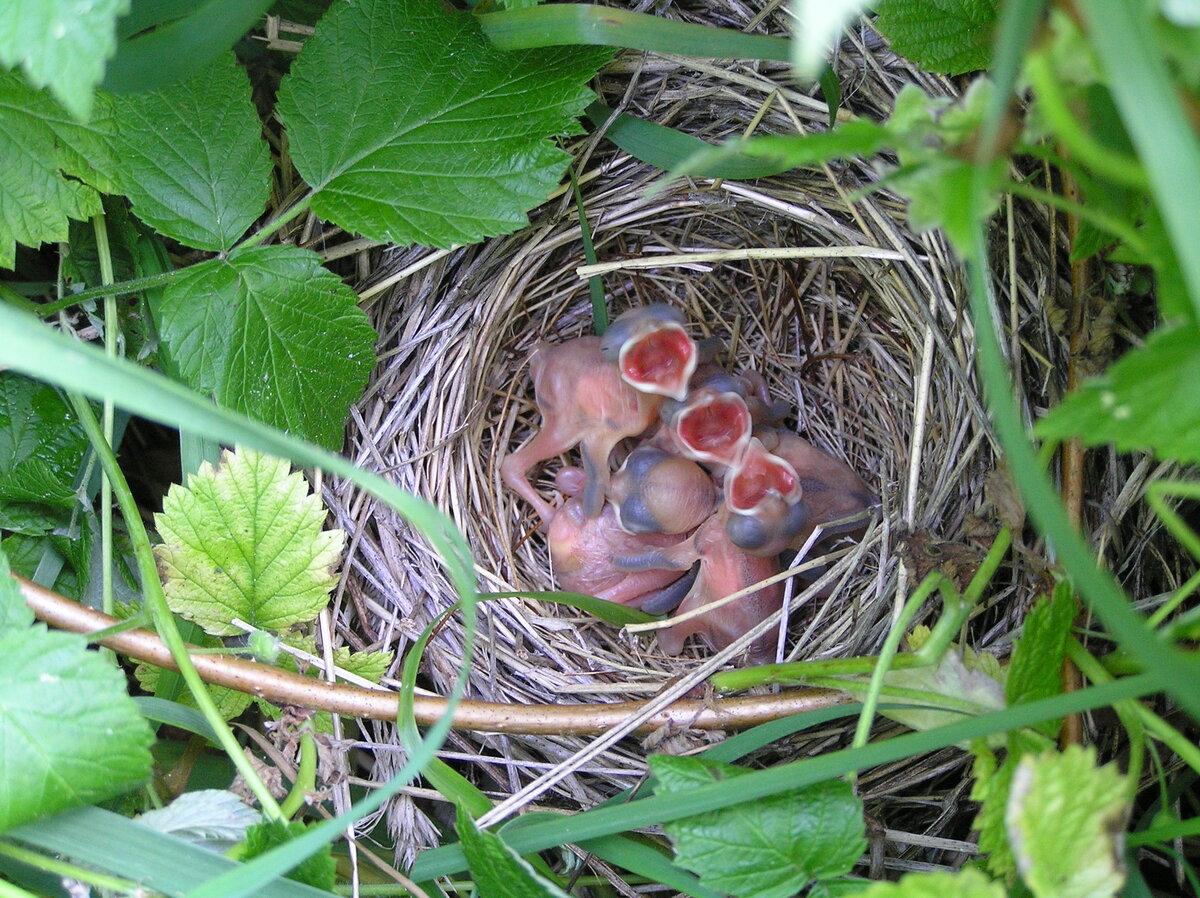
130	137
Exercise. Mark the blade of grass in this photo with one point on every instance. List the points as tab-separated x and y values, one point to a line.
644	860
181	48
148	13
611	819
595	284
1157	123
156	603
667	148
609	612
1180	829
174	714
126	848
1103	594
580	23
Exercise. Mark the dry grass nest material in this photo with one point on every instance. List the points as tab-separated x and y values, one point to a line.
859	324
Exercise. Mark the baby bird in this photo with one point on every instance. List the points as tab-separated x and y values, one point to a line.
657	492
828	491
588	400
651	348
712	426
582	550
722	569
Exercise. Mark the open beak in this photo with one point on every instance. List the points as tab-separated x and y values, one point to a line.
714	427
659	360
759	476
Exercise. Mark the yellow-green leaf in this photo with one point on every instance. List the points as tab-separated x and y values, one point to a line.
245	541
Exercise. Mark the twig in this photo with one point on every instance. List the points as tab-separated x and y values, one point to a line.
286	688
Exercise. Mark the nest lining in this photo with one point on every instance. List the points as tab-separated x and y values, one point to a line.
874	355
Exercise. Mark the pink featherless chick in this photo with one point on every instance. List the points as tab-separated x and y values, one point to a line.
583	549
722	569
593	394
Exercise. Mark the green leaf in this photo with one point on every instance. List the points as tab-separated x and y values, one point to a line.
38	186
14	613
991	789
950	677
193	161
946	36
316	870
1065	820
668	149
69	733
1036	669
412	128
499	871
212	818
586	23
610	612
36	558
61	44
269	332
42	449
766	849
939	192
109	842
1145	401
245	541
968	883
780	152
180	48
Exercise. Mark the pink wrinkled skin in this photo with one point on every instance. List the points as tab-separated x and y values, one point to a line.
582	551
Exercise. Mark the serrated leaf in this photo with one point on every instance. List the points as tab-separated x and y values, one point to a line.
230	702
62	44
939	192
945	36
69	733
25	554
316	870
14	613
245	541
368	665
950	677
412	128
193	161
991	789
42	448
43	152
213	818
968	883
1147	400
500	872
1065	819
269	332
1036	669
764	849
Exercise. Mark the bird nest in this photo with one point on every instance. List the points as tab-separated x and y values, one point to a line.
855	321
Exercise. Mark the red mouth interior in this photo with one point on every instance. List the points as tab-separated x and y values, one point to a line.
759	474
660	357
716	427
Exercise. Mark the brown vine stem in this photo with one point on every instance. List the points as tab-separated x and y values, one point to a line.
285	688
1072	450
